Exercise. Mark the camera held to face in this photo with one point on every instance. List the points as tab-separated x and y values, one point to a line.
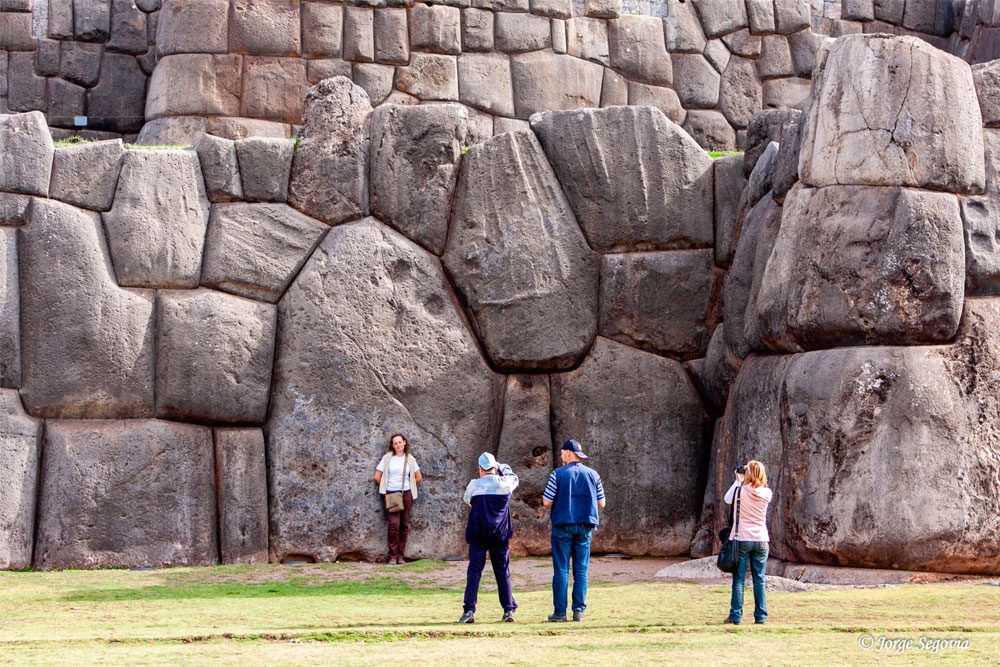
741	469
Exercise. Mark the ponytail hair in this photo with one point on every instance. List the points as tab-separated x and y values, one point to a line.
756	476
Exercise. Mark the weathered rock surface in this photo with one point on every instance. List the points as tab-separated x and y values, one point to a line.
519	259
526	444
415	154
25	153
126	494
373	310
20	452
87	345
254	250
86	174
729	185
753	249
856	265
877	134
330	165
666	204
220	167
242	494
715	375
662	302
862	424
213	356
638	49
265	165
194	84
982	226
625	405
156	227
545	81
10	311
765	126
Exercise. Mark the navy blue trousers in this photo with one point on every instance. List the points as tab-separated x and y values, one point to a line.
500	557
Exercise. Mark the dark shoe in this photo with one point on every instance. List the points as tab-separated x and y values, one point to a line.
577	615
557	618
508	617
729	619
467	617
760	622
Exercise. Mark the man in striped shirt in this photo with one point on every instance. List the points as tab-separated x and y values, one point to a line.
575	494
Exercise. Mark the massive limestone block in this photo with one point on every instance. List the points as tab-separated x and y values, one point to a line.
330	162
116	103
638	49
740	92
663	302
371	343
194	84
25	153
174	33
213	356
868	125
982	226
126	494
220	167
415	155
859	265
86	174
729	185
87	345
265	27
242	493
636	180
544	81
756	238
20	452
526	444
255	250
10	311
519	259
265	165
156	227
863	427
626	406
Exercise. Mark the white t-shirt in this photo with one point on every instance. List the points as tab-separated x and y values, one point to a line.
396	481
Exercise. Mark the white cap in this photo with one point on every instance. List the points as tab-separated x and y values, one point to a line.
487	461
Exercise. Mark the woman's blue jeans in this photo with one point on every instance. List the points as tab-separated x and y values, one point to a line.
754	553
570	541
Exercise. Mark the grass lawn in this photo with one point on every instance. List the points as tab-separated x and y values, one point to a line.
354	614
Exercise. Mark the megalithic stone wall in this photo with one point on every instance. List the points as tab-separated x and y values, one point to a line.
867	329
222	386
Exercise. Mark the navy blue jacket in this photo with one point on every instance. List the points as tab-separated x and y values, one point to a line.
574	490
489	498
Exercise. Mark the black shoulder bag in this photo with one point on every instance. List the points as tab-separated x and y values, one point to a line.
729	556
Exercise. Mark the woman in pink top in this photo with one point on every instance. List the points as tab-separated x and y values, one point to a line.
752	496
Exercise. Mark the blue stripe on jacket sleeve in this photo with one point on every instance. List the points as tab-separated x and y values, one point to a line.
600	489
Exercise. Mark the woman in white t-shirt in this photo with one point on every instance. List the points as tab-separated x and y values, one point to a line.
398	471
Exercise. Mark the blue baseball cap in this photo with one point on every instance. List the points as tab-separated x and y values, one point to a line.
574	446
487	461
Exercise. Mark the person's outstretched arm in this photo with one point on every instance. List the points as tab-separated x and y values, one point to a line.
507	479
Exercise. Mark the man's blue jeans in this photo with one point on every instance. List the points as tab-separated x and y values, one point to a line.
570	541
754	553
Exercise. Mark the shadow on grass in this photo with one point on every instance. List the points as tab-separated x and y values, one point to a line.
376	586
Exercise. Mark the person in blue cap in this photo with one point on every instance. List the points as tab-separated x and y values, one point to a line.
489	531
575	494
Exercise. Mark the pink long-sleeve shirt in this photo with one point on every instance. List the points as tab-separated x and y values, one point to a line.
753	512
